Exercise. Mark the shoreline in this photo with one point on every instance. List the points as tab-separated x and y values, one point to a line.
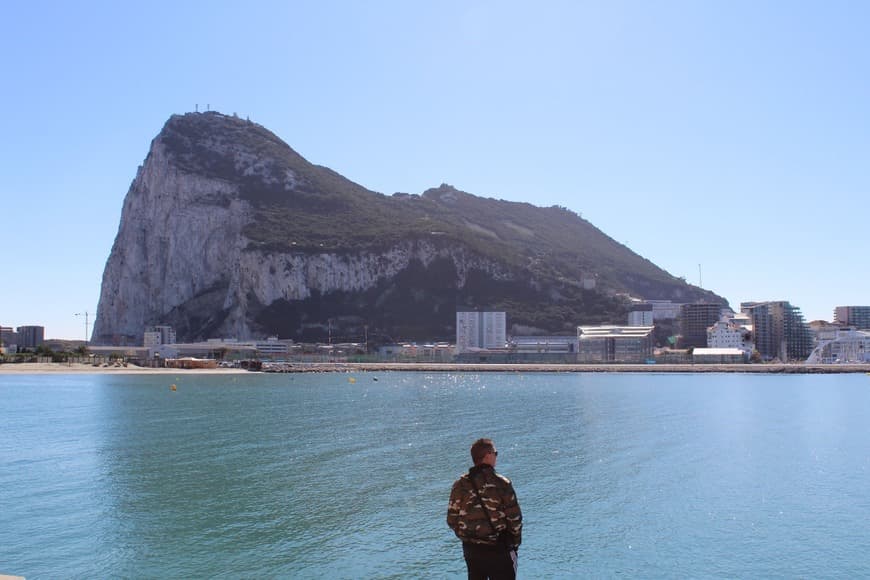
85	368
344	367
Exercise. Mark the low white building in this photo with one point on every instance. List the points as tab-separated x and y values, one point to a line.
436	352
544	344
719	356
273	347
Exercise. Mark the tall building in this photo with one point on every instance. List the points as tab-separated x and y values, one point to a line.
158	335
475	330
7	336
30	336
855	316
695	319
780	330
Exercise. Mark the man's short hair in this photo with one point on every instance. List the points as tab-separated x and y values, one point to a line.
480	448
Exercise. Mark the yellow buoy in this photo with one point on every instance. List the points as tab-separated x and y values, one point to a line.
351	380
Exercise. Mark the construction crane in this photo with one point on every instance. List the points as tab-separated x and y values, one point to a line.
85	314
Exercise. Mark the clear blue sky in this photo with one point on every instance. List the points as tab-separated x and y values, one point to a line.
734	135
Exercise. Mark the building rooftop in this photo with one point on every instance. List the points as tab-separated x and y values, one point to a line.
613	331
718	351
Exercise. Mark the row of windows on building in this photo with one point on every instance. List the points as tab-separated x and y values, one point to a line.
23	337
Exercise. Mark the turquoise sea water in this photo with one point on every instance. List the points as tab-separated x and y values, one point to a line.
309	476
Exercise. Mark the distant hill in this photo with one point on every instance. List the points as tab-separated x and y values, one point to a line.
227	231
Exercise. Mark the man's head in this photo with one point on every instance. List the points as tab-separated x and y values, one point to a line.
483	452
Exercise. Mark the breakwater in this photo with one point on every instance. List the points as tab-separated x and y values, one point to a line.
564	368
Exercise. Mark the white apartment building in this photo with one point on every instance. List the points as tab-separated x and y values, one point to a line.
480	330
727	334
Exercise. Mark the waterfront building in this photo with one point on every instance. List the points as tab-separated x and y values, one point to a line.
543	344
191	363
480	330
30	336
553	349
855	316
272	347
695	319
780	330
614	344
726	333
413	352
841	345
719	356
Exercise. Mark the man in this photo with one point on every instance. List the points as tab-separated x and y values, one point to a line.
484	514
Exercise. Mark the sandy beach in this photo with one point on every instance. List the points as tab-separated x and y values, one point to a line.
78	368
82	368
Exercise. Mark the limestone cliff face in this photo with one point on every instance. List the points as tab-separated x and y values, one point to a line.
181	257
228	232
179	237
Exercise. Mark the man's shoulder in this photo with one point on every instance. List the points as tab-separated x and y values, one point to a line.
461	481
489	476
503	479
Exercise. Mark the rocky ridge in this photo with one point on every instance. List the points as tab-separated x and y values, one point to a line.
228	232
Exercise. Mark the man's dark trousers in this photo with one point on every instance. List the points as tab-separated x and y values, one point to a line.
489	562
